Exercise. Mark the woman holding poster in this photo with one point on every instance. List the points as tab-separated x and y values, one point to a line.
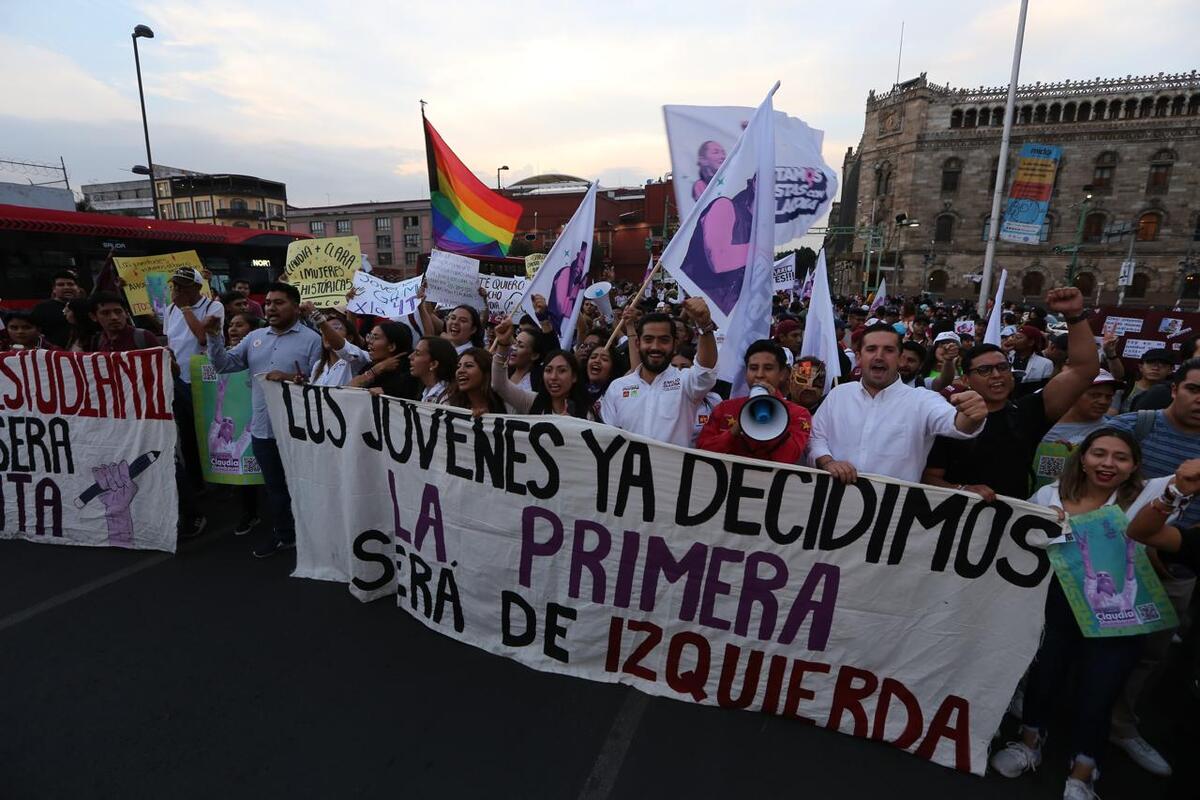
1102	471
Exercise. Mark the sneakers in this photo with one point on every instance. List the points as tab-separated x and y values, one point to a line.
245	525
272	546
192	529
1078	790
1017	758
1143	754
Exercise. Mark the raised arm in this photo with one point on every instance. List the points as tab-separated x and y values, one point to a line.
1082	362
232	360
520	400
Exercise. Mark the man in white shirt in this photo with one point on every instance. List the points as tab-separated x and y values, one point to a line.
184	328
658	400
881	426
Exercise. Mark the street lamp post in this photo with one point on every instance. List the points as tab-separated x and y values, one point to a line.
498	171
902	222
143	32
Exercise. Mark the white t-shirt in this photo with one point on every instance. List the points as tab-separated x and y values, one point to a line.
664	409
181	340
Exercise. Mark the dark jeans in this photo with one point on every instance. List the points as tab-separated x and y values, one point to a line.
279	501
247	500
1103	665
185	422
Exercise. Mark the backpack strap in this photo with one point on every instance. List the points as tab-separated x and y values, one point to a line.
1144	424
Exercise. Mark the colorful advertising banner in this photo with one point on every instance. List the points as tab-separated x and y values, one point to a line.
146	277
1029	195
222	403
87	451
323	269
885	610
1108	580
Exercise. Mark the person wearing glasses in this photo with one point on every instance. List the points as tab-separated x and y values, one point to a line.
999	461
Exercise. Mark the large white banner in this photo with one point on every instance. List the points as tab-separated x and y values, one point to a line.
87	448
886	610
700	137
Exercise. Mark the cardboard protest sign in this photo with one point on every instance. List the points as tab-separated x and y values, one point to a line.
146	277
503	293
91	449
379	298
222	418
323	269
532	262
1108	580
880	609
452	280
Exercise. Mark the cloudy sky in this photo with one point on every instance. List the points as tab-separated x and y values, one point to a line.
324	95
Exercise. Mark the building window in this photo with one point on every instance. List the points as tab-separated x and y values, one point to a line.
275	210
164	189
956	118
1148	225
1032	283
1141	282
883	179
1085	282
1102	176
987	228
1160	172
238	204
258	204
412	240
383	259
1044	231
938	280
951	172
203	208
411	259
166	211
1093	226
183	211
343	226
1191	286
412	222
316	228
383	242
383	223
944	229
995	174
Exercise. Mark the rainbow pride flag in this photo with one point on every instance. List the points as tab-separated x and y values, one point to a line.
468	217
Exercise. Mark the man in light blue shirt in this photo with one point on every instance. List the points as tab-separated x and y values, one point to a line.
285	348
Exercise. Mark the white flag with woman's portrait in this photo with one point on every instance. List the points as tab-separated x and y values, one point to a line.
563	276
700	138
724	250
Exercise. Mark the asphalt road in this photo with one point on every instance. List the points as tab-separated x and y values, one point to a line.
213	674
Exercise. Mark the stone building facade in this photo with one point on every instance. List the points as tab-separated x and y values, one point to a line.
1130	173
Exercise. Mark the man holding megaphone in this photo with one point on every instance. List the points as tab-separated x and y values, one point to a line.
763	425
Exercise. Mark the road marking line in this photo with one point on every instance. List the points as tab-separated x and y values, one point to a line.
63	598
607	767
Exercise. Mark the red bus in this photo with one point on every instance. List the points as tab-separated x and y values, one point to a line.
36	242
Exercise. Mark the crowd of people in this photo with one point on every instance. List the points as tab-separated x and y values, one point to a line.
1047	415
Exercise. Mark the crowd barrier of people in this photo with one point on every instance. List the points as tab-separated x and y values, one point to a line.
1049	414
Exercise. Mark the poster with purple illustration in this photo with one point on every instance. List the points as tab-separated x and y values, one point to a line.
1108	580
96	461
701	137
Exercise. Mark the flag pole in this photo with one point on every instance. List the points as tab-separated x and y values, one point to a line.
616	334
985	283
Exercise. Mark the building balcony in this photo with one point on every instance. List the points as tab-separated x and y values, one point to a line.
240	213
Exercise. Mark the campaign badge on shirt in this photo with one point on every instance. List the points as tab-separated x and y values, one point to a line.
257	343
671	385
629	391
